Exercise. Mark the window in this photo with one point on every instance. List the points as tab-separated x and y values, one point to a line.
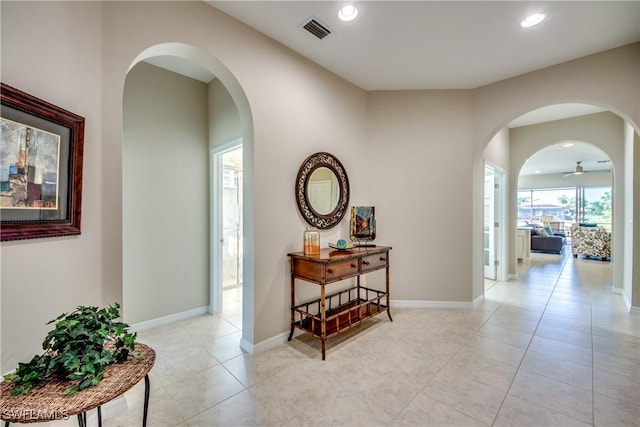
556	202
566	205
596	206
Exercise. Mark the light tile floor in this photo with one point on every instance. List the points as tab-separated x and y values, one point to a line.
554	348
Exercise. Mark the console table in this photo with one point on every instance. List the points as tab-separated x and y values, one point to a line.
335	313
45	402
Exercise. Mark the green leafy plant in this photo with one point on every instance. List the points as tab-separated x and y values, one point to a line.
79	348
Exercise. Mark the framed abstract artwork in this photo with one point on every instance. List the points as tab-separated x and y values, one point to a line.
363	223
41	156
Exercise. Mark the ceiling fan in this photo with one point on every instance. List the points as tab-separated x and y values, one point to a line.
578	171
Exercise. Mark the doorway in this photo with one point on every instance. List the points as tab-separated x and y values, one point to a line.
227	241
493	227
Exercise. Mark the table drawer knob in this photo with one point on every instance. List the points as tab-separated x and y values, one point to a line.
383	259
365	262
330	270
353	266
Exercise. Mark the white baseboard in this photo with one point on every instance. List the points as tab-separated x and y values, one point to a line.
244	344
148	324
478	300
267	344
512	277
247	346
430	304
627	303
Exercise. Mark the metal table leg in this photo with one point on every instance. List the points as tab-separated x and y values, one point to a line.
146	400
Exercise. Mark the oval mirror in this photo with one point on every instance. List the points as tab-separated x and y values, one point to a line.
322	190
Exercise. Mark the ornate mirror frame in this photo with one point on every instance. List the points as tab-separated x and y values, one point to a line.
314	218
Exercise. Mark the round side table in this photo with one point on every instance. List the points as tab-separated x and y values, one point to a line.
46	401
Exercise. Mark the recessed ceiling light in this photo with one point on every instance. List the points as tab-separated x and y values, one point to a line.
532	20
568	144
538	172
348	13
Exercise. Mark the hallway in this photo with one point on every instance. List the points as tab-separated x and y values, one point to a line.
554	347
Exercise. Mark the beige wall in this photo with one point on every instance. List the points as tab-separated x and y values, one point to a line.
42	278
165	194
498	150
294	107
419	155
224	120
414	154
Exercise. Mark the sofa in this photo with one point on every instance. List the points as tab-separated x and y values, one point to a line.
552	244
541	241
590	241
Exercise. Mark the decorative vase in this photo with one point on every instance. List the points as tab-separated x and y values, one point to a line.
311	242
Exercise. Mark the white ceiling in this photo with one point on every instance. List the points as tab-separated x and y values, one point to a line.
395	45
559	158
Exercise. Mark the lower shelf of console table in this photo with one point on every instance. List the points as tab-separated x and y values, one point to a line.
350	311
332	314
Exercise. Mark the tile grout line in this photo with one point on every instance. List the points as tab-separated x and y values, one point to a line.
564	264
474	334
434	376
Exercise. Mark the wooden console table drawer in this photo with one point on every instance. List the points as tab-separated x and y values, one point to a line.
330	315
318	272
374	262
341	270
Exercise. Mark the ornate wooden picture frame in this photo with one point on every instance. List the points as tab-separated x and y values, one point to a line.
41	157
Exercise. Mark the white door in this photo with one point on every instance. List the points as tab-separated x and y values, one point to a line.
489	223
226	229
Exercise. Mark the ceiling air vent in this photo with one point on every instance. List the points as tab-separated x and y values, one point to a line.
317	29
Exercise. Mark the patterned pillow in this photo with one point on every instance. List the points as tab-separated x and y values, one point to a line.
539	231
548	229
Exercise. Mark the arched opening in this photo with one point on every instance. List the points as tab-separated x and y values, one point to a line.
566	183
557	192
180	104
519	139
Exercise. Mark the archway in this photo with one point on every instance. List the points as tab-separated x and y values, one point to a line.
556	191
610	132
564	165
225	79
